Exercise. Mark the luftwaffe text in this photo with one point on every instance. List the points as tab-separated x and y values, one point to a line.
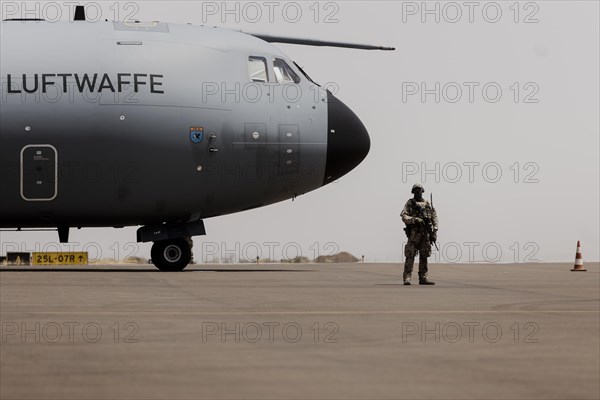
92	83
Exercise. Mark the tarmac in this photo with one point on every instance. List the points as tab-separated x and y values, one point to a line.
309	331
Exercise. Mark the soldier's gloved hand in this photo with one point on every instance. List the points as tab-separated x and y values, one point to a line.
434	236
418	221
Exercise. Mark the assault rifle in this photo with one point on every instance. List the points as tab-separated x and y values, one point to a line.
427	221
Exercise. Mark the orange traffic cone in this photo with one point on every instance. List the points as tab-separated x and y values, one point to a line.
578	259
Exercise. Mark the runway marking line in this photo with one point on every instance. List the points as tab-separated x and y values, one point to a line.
390	312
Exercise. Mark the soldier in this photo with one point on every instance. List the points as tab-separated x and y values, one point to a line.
421	229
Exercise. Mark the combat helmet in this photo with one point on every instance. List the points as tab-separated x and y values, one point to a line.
417	185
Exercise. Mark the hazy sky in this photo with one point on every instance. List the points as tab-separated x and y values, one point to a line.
494	107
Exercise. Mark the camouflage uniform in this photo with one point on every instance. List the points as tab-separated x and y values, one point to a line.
418	237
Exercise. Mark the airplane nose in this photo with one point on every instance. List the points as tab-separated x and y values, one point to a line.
348	142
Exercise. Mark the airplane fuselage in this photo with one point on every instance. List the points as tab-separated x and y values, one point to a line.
118	124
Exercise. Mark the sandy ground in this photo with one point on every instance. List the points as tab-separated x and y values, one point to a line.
517	331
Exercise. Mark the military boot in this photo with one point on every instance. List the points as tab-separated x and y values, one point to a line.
406	279
425	281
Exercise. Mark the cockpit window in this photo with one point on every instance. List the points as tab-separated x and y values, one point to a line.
257	68
284	73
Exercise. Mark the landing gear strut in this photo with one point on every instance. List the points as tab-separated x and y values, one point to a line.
172	254
172	248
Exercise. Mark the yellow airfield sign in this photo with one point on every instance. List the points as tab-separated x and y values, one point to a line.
59	258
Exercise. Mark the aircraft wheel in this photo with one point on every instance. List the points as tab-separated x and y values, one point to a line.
171	255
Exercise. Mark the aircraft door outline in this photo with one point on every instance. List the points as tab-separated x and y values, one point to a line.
39	172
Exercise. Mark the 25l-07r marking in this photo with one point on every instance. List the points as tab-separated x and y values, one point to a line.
62	258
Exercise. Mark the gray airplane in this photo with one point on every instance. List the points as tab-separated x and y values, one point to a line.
117	124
